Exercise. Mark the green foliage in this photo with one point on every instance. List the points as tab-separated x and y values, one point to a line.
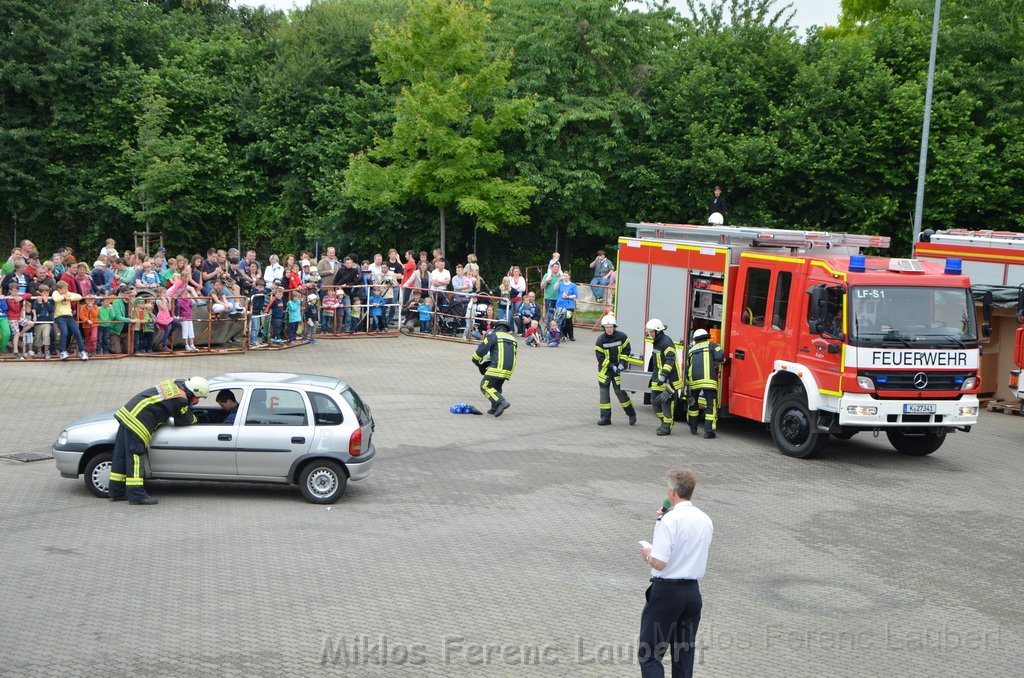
452	109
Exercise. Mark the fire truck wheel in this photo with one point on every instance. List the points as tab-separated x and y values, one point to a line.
794	428
907	441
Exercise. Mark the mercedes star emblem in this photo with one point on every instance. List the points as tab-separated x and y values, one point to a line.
920	380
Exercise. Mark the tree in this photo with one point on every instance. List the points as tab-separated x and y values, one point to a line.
449	116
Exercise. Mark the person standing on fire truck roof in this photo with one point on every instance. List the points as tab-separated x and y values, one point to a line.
612	350
702	361
666	378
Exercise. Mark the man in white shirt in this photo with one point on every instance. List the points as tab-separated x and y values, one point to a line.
439	279
678	557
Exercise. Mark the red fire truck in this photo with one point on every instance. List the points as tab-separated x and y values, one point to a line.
820	340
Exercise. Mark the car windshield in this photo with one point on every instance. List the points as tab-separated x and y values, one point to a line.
935	317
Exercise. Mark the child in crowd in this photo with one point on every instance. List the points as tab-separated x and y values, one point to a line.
5	325
104	318
164	321
184	316
257	308
294	277
19	310
312	318
42	315
276	310
149	277
294	315
88	320
425	314
533	334
144	327
376	321
327	313
554	334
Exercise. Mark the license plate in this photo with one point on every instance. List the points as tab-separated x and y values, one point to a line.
917	408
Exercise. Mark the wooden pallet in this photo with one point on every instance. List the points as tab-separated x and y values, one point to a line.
1006	406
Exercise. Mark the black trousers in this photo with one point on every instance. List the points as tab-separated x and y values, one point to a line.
126	466
491	388
669	622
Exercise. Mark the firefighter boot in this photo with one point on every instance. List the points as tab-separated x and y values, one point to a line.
605	418
500	407
664	430
144	500
709	434
631	413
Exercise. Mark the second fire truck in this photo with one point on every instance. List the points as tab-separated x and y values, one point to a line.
820	340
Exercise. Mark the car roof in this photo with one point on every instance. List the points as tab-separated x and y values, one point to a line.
332	383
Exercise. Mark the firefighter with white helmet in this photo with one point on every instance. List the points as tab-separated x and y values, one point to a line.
612	349
666	377
137	421
702	361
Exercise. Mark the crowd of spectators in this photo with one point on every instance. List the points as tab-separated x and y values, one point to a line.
134	302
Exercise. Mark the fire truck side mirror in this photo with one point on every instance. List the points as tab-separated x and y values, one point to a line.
1020	304
817	308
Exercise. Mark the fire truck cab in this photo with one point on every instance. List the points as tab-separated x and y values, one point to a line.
820	340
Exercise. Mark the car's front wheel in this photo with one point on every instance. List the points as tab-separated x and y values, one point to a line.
97	474
323	481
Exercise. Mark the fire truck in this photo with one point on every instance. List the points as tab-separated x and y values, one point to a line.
820	340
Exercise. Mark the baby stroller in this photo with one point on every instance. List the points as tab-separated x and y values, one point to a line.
559	316
452	320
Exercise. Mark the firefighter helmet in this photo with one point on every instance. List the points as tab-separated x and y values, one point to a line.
716	219
700	335
655	325
608	319
199	386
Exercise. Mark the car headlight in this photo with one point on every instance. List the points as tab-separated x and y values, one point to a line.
969	384
866	383
62	439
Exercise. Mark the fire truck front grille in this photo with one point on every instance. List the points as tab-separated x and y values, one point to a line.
909	381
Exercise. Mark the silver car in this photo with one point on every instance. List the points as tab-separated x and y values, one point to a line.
302	429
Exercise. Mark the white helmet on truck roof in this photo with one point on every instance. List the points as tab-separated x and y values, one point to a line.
716	219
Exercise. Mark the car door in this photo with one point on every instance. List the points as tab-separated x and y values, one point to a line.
202	450
275	430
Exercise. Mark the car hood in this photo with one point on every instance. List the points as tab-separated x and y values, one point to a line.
98	417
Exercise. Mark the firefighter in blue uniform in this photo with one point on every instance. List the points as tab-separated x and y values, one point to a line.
495	357
702	361
612	349
137	421
666	376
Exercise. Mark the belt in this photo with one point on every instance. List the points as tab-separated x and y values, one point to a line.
673	581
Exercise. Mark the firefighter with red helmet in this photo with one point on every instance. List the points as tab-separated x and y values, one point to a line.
137	421
666	377
612	349
702	361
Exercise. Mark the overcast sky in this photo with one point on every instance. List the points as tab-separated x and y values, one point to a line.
808	12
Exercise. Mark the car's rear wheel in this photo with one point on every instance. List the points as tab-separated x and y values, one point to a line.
323	481
97	474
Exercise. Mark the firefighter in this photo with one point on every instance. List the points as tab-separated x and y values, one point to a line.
702	361
612	350
666	377
495	357
137	421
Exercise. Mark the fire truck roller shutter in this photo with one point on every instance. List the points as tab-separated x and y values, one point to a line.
631	311
669	299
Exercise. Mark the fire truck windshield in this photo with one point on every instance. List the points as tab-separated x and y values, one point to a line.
912	316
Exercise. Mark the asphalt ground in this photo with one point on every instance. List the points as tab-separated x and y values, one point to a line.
483	546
